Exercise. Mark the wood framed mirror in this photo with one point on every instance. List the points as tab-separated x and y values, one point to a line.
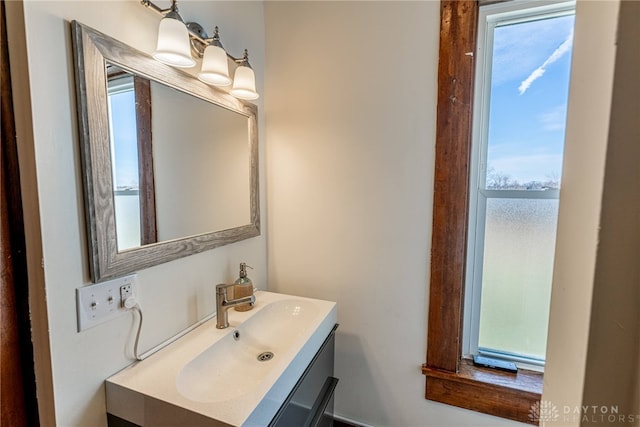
170	164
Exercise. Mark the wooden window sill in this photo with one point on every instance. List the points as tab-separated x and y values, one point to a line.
486	390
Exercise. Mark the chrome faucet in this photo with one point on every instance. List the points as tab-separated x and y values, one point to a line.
222	304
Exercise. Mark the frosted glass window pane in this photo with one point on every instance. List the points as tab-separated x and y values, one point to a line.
127	205
517	272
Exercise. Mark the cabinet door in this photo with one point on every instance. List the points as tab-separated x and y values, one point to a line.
310	403
321	414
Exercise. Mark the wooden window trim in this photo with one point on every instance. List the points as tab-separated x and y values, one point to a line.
449	378
148	219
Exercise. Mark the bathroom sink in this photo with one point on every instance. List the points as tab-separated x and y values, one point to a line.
241	360
237	376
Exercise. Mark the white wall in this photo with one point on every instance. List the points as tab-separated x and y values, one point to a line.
580	202
173	295
615	319
593	357
351	90
208	171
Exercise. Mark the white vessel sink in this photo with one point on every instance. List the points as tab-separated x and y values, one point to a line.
236	376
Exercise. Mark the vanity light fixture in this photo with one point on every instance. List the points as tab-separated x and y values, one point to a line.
177	42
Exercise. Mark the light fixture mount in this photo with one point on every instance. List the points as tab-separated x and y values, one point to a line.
199	43
200	40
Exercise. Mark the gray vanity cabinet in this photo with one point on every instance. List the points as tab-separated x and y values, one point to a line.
310	403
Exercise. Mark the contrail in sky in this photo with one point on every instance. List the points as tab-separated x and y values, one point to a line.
538	72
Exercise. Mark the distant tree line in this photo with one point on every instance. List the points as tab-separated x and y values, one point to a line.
503	181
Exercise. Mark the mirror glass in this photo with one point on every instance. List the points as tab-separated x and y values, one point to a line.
180	164
170	164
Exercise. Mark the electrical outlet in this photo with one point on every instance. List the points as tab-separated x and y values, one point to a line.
104	301
125	292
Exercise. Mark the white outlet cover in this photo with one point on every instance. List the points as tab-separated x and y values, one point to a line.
100	302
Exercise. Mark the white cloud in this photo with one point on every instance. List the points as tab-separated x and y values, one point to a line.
564	48
554	119
520	48
526	83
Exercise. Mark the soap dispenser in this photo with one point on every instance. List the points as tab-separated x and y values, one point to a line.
243	287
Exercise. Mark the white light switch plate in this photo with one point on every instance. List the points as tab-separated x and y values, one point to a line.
100	302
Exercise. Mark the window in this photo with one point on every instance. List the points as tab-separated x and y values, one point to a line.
520	102
124	146
450	378
129	107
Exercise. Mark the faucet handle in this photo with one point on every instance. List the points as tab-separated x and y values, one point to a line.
222	288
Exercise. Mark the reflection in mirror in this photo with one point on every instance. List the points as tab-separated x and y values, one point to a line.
170	164
180	164
124	89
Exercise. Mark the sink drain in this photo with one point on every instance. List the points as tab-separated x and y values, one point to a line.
263	357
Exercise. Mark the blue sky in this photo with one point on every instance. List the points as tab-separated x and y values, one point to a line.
529	91
124	133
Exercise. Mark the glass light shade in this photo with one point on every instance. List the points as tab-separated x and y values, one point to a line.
174	47
244	83
215	68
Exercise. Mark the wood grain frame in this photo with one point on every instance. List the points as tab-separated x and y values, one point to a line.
91	50
449	378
